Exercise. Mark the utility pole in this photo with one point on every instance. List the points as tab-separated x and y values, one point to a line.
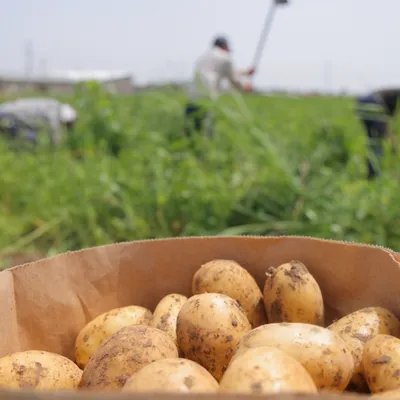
43	66
328	76
29	59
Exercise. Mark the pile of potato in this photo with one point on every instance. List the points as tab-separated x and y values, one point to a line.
228	337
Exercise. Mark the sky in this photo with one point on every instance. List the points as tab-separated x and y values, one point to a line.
328	45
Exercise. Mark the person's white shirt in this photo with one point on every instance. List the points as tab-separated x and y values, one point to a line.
36	111
210	71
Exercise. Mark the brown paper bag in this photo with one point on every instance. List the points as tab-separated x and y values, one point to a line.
46	303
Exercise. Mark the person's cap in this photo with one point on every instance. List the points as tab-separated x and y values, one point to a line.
221	41
67	113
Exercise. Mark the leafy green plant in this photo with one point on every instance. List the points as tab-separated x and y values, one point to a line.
277	166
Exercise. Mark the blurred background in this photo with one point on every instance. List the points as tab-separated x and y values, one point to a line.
287	158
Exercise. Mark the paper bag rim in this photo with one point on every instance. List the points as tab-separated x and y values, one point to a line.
393	254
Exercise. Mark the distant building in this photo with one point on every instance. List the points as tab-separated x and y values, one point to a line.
62	82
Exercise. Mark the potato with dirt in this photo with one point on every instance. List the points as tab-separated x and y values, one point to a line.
360	326
123	354
166	313
230	278
291	294
381	363
266	370
322	352
38	370
103	326
209	328
172	375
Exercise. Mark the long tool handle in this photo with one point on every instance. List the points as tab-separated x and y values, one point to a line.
264	34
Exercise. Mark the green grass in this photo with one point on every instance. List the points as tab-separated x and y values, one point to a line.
278	166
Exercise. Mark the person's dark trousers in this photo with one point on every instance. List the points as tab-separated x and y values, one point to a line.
376	133
12	128
374	119
9	125
196	119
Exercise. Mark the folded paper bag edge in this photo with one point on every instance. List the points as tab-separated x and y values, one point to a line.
394	254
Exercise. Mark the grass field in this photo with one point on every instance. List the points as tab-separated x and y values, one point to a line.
278	166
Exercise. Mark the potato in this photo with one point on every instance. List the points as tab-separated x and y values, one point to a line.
38	370
209	327
291	294
166	314
322	352
266	370
103	326
172	375
124	353
359	327
230	278
381	363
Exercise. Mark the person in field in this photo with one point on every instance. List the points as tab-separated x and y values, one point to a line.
25	118
211	69
375	110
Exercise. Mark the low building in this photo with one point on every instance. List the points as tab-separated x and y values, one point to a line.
62	82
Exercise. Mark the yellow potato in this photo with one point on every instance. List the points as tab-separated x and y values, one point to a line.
103	326
38	370
230	278
124	353
266	370
209	327
172	375
291	294
322	352
359	327
166	314
381	363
